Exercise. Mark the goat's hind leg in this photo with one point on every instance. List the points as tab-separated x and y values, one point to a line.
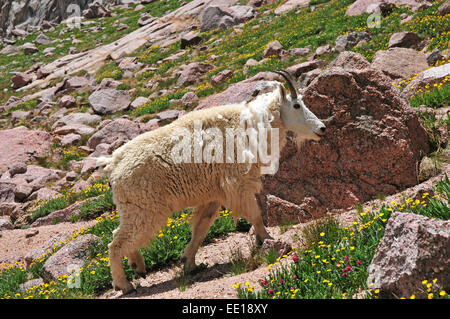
137	263
201	222
117	250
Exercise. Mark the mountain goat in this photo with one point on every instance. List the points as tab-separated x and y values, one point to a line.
182	165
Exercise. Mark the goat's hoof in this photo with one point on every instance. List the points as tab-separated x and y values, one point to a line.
140	274
126	290
129	291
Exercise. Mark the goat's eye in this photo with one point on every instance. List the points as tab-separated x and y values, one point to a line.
296	106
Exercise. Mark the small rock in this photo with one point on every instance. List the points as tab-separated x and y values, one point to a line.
70	139
323	49
139	101
298	69
30	284
221	77
215	17
29	48
5	225
192	72
109	101
151	125
190	39
71	176
189	99
17	168
31	233
21	79
434	56
248	64
42	39
274	48
350	40
71	254
67	101
120	128
404	39
412	249
22	191
299	51
444	9
280	247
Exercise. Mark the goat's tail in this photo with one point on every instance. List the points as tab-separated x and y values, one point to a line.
104	163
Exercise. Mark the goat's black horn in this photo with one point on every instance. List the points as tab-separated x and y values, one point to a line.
290	81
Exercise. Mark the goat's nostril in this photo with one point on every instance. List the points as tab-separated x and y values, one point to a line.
322	130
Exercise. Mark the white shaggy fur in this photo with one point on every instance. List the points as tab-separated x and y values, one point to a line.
148	186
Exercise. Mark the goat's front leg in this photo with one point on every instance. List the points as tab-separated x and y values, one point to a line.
201	222
250	210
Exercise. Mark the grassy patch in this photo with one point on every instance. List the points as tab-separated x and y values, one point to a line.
334	265
435	98
99	188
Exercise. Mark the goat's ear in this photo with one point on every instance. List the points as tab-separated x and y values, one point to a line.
283	93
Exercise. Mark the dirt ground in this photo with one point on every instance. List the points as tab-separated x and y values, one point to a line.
215	281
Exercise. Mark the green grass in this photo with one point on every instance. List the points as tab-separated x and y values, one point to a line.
165	249
97	188
94	207
48	207
335	264
436	98
89	40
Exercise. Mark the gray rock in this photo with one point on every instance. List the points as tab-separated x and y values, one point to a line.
189	99
404	39
72	254
109	101
399	62
5	225
427	77
10	49
242	13
190	39
67	101
434	56
30	284
169	115
22	191
77	118
297	69
70	139
21	79
139	101
350	40
45	248
6	192
192	71
350	60
215	17
221	77
79	129
323	49
121	128
299	51
42	39
151	125
274	48
62	215
29	48
412	249
17	168
444	9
